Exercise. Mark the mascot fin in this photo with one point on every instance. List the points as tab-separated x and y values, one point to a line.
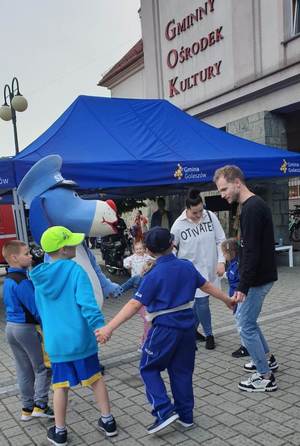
39	220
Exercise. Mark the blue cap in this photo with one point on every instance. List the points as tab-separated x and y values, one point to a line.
158	239
42	176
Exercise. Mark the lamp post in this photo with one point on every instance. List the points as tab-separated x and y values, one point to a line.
13	102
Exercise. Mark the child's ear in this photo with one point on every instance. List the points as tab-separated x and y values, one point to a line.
13	257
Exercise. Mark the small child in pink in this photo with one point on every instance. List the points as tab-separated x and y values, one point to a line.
138	264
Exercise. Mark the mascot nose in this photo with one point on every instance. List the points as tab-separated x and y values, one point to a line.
112	204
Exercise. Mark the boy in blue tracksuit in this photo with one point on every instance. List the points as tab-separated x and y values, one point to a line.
167	291
70	314
33	377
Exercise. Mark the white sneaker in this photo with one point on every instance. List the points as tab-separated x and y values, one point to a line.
257	383
182	423
251	367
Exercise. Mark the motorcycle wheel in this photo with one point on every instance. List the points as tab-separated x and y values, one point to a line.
295	233
111	270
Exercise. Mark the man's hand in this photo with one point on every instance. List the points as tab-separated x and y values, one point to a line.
238	296
103	334
220	269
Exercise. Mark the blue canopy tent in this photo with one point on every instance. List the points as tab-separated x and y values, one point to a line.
7	174
129	144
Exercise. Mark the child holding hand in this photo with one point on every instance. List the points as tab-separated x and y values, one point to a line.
70	314
230	249
167	291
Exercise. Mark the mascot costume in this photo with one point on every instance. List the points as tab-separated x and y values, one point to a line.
53	201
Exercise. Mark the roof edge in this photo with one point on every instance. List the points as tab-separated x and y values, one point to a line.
135	54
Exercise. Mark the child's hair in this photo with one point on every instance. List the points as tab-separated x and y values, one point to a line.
231	247
12	247
138	242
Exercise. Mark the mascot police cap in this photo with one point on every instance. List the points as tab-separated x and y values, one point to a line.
43	175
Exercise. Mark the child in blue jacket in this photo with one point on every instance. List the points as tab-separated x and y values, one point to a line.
33	377
167	291
70	314
230	248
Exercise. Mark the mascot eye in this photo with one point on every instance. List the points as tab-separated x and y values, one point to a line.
75	194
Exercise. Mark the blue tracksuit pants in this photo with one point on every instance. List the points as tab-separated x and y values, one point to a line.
172	349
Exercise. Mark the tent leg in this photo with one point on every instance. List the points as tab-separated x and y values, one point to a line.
20	217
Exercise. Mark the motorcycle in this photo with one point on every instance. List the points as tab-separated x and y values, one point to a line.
37	255
114	248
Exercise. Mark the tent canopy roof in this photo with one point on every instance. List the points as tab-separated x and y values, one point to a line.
123	143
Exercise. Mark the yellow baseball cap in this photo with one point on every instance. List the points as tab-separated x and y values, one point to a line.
57	237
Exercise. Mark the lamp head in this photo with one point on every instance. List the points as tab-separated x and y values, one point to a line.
19	103
5	112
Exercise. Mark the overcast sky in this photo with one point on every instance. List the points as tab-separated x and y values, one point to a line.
59	49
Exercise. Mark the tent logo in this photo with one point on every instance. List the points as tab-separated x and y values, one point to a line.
290	167
189	173
178	172
284	166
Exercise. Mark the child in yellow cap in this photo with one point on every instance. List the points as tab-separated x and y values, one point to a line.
70	314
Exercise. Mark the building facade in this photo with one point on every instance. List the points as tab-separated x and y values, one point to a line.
234	64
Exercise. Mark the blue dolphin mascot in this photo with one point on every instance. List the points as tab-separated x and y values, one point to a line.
53	201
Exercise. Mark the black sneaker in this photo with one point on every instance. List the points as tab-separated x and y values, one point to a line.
251	367
57	438
257	383
160	424
199	337
240	352
210	343
109	427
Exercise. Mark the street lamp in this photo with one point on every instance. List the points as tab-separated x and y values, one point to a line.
13	101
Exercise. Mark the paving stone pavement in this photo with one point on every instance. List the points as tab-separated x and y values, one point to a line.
223	414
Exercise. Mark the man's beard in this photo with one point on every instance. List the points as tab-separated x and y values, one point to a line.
235	197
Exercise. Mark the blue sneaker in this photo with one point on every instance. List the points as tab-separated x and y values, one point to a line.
160	424
108	427
57	438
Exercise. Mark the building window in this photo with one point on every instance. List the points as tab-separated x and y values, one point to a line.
296	16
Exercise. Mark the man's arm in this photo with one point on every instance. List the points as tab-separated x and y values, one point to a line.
252	229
